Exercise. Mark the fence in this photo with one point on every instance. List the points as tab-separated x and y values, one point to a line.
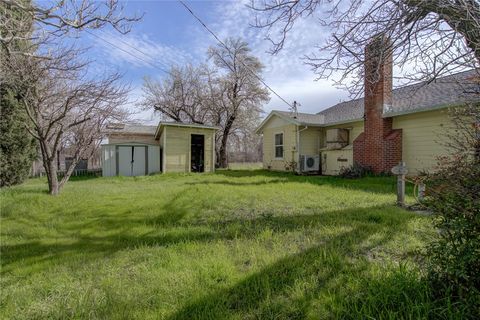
75	173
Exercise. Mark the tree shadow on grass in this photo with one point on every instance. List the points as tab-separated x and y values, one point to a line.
167	231
386	184
264	294
267	294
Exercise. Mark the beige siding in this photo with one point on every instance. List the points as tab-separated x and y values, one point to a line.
124	138
289	131
334	160
355	129
176	146
422	138
310	141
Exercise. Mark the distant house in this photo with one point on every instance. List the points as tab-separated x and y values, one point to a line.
406	124
134	150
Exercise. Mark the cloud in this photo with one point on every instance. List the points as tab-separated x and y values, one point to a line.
286	72
138	50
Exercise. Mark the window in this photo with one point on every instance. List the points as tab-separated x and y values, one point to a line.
279	145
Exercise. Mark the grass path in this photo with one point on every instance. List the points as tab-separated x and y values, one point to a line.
236	244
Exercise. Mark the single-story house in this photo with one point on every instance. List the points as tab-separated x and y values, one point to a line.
134	150
387	126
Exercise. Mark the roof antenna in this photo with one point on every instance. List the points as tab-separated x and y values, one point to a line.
294	109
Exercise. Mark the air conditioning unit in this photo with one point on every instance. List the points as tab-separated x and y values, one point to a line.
309	163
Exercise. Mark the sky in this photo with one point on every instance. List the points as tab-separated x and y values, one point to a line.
169	35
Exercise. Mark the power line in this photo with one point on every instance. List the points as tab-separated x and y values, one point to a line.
226	47
128	52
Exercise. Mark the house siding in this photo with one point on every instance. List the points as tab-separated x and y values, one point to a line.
356	128
423	135
310	141
176	148
332	161
277	125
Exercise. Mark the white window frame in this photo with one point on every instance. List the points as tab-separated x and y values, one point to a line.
275	146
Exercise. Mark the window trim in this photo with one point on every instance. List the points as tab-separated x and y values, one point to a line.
275	146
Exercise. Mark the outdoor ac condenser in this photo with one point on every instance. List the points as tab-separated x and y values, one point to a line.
309	163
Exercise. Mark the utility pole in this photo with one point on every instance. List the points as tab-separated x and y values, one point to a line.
295	109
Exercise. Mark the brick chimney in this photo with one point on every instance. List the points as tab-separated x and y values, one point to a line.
379	146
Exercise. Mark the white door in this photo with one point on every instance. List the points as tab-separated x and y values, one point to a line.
131	160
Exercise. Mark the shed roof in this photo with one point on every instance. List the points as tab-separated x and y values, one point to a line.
181	124
303	119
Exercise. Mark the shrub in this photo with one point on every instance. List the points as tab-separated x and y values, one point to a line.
453	194
355	171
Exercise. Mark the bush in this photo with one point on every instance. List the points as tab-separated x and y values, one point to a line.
17	147
355	171
453	194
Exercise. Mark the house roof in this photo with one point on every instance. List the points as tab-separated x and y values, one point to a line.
121	128
302	119
181	124
447	91
456	89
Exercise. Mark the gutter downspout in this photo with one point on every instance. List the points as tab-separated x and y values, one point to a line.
298	147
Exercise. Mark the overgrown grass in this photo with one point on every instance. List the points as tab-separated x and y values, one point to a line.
245	166
236	244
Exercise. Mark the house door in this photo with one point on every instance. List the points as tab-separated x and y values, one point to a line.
131	160
197	152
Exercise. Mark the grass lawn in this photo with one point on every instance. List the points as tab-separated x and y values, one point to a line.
235	244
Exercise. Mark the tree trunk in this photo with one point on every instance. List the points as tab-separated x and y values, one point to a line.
53	186
223	161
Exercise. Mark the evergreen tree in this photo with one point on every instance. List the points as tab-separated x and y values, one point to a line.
17	146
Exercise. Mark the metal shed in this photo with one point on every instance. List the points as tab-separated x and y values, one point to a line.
135	150
130	159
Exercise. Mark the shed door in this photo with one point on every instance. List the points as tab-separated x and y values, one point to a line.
139	161
131	160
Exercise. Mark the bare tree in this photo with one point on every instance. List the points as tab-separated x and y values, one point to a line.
56	19
182	96
65	106
243	92
429	38
229	96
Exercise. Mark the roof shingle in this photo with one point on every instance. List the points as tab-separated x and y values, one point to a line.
455	89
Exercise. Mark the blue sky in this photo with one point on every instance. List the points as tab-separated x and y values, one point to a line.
170	35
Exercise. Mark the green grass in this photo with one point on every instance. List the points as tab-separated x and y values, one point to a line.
236	244
245	165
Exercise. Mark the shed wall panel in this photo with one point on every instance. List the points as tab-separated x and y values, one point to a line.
177	146
108	161
153	159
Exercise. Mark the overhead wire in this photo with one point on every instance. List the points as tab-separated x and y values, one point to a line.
130	53
228	49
